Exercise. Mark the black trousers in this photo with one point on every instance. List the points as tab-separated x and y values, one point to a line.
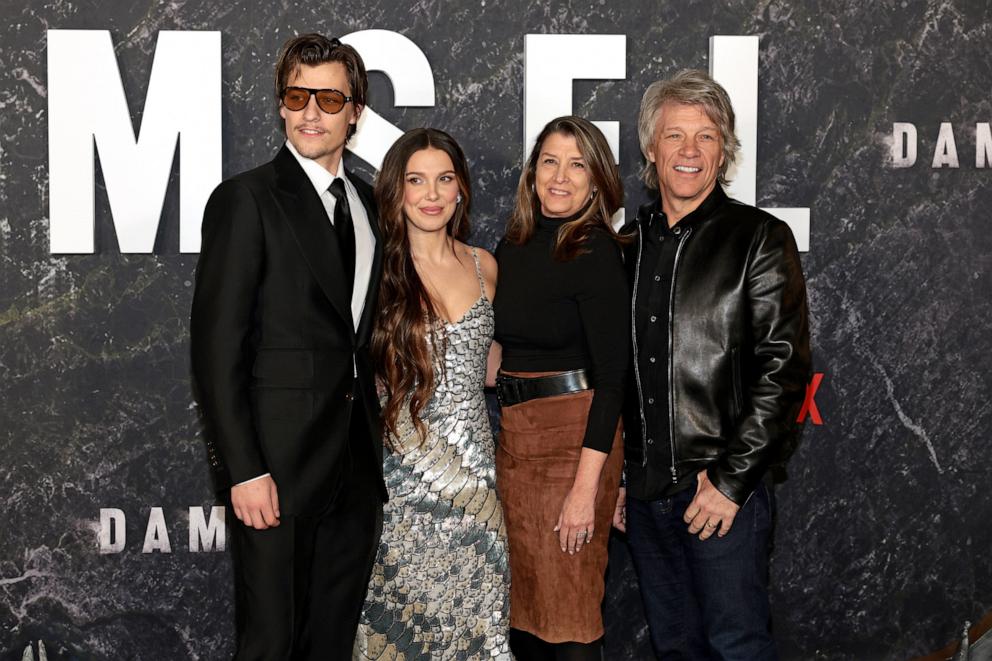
299	587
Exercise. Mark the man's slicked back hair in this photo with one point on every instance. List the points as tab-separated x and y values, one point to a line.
314	49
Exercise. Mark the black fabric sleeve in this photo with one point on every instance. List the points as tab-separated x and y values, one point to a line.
604	307
227	279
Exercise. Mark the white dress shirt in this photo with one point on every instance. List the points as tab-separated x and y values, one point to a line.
364	239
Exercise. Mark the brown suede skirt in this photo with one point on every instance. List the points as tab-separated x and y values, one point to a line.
553	595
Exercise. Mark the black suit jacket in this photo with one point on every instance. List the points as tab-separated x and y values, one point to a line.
272	338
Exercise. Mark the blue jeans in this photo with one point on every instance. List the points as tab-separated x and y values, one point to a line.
704	600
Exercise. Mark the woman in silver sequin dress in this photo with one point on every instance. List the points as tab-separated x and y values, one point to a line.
440	585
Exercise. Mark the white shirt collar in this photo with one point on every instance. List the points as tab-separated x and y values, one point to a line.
318	176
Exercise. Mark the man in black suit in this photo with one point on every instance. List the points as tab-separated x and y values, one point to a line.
282	316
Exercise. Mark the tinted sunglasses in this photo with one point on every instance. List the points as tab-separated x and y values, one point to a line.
330	101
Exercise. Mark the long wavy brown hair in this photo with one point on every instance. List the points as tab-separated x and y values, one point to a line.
606	201
408	324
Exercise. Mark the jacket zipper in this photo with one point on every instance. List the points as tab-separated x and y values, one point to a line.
671	358
633	335
735	369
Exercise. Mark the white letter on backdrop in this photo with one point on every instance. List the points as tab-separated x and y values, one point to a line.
112	532
156	534
903	158
549	74
87	108
946	152
410	74
734	64
205	536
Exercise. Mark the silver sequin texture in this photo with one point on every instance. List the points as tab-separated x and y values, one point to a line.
440	586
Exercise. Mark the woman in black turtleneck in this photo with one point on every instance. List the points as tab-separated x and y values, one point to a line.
562	318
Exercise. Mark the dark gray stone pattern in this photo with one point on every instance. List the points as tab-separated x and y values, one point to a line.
882	540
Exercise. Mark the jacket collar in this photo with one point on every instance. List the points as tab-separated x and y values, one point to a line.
364	330
316	173
706	208
315	236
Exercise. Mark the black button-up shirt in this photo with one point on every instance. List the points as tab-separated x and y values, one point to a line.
652	301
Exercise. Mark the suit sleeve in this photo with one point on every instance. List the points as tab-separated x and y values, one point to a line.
781	363
604	309
228	275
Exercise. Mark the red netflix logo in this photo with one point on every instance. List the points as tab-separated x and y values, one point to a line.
809	404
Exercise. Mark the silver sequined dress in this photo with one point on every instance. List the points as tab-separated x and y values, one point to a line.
440	585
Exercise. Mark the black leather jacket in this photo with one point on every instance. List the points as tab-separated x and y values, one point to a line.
738	343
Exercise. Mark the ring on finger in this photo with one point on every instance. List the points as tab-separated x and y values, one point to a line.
710	524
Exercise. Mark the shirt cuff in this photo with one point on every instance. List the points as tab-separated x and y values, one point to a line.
253	479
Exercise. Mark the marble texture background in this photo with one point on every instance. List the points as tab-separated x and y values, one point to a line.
882	545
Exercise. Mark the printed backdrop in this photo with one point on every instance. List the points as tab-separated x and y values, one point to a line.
882	545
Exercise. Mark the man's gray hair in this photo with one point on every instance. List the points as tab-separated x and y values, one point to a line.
690	87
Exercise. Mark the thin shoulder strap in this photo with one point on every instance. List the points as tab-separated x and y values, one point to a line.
478	270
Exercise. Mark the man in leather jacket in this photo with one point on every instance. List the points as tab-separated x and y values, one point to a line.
721	361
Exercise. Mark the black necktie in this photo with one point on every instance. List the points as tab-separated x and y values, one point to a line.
345	229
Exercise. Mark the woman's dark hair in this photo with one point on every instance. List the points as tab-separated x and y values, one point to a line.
315	49
408	325
607	197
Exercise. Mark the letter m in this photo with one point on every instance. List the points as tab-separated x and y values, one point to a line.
205	536
87	109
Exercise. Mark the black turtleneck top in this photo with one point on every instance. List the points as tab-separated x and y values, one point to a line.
557	316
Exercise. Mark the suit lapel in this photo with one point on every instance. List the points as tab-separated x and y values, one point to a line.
312	229
368	310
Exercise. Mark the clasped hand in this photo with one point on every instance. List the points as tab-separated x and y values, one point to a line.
256	503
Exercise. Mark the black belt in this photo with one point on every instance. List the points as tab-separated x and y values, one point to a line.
512	390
